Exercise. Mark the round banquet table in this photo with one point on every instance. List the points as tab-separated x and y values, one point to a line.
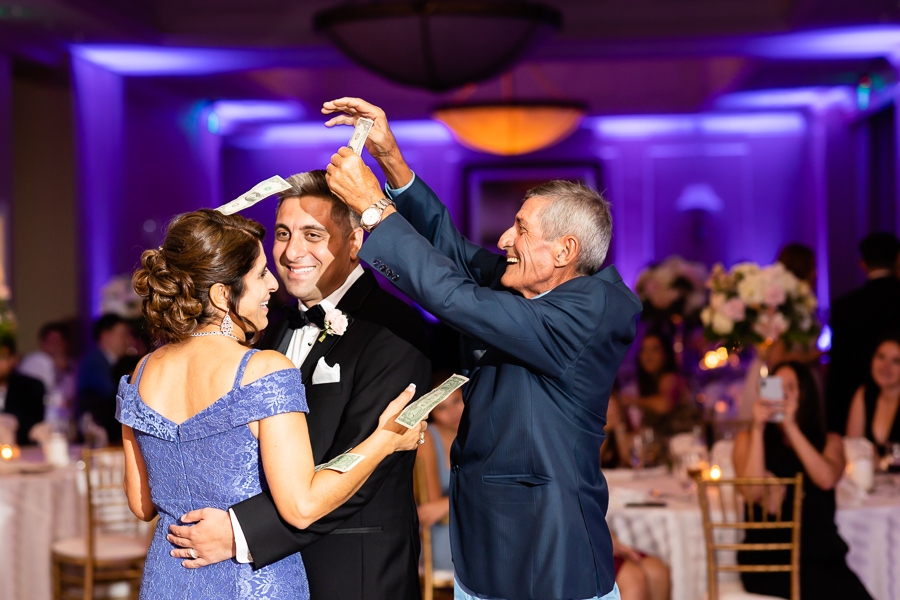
870	525
36	509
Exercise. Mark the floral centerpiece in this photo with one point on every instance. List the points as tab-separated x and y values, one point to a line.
118	297
673	287
758	305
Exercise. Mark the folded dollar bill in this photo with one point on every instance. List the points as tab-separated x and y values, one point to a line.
342	463
419	409
360	134
263	189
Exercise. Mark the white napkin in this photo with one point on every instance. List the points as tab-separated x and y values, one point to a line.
326	374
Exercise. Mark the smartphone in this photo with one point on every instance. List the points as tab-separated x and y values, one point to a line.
771	389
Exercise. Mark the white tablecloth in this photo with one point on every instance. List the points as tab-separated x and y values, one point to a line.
674	533
35	511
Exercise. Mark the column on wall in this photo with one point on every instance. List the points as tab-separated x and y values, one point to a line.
6	186
99	117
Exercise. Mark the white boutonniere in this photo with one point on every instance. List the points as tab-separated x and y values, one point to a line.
336	323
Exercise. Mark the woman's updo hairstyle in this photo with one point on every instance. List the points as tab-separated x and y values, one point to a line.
202	248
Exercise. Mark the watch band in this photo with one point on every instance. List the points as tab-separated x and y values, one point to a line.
381	205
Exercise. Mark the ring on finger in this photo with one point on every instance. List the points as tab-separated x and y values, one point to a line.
193	553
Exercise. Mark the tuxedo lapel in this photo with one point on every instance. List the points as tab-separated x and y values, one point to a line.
349	304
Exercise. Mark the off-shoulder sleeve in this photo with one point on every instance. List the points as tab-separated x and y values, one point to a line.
274	394
125	413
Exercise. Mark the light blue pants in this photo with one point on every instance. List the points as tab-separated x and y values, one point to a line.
460	594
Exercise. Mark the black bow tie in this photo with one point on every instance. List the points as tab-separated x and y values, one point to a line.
301	318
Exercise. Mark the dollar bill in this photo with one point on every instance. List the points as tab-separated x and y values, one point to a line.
342	463
360	134
261	190
419	409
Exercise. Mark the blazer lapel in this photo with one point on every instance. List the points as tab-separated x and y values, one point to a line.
349	304
277	337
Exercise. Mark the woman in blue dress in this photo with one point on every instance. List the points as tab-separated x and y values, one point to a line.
208	422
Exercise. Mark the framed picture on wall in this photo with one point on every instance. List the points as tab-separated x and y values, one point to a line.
494	193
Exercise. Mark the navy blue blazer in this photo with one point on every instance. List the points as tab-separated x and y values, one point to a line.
528	500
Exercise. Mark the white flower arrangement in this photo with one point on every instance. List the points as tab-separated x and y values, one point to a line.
118	297
673	287
753	305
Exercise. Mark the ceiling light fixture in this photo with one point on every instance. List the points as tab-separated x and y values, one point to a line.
438	45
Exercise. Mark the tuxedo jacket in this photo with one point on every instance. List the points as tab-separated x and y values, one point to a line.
367	548
527	498
25	401
858	322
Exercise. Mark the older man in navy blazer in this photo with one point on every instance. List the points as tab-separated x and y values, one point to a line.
546	332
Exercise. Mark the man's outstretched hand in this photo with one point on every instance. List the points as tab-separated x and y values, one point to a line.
352	181
381	143
211	537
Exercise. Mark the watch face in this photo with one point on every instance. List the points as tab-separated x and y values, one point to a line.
370	216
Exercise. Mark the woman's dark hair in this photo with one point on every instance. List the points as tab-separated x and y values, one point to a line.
799	260
202	248
870	385
810	415
648	383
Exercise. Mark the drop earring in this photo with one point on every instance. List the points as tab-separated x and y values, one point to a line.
227	324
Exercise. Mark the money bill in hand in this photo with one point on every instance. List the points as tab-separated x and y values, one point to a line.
419	409
261	190
342	463
360	134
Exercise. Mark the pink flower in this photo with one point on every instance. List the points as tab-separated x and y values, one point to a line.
774	295
735	310
335	322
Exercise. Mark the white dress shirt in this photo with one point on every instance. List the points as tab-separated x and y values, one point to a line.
298	349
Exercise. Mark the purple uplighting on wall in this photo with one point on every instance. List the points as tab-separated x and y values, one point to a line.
226	115
843	42
144	61
99	106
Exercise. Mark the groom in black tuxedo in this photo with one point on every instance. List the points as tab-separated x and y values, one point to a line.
368	548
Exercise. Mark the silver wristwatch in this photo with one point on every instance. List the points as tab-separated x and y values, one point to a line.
372	215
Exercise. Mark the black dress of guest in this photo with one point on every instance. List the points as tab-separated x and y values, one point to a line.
823	569
870	396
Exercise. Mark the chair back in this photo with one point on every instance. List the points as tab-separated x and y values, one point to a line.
721	502
107	505
420	490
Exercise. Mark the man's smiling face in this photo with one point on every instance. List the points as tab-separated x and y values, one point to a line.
313	255
530	257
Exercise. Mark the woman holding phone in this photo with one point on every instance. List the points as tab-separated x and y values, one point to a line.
782	442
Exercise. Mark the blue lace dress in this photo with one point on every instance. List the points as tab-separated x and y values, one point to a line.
211	459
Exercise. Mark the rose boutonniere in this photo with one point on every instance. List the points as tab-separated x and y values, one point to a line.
336	323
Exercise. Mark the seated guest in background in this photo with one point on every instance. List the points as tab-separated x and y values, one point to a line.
616	449
661	389
873	413
20	396
639	577
435	454
858	322
799	443
96	391
50	362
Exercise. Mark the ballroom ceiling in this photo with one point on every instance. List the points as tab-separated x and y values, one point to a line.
617	56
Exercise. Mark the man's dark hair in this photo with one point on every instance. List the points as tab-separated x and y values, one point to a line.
48	328
879	250
9	343
105	323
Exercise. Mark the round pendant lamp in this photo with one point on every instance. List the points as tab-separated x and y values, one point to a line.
438	45
511	128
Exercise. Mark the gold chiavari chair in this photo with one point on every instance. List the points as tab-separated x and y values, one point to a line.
726	495
116	542
427	578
